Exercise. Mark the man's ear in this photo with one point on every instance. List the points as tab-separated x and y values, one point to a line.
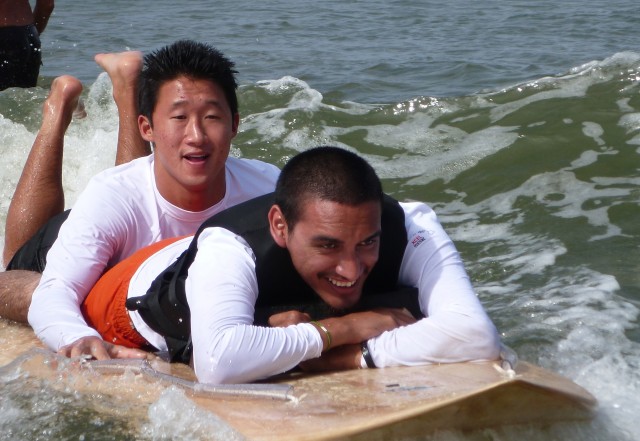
144	125
235	124
277	226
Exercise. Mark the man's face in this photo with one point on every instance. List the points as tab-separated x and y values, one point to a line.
192	132
334	247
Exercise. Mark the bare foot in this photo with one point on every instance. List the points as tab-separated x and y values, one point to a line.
123	69
64	100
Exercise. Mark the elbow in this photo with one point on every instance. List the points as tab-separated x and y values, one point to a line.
469	338
213	375
218	362
483	342
214	372
214	368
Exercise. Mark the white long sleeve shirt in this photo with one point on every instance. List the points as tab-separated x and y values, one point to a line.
120	212
222	289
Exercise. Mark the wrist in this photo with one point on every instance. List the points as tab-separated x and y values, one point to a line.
361	363
366	361
324	334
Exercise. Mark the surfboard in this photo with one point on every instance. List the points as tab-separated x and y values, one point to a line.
365	404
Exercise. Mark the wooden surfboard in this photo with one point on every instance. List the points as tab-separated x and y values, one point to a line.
389	403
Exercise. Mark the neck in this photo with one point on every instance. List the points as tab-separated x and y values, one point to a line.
193	199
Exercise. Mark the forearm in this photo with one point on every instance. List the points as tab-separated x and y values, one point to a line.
245	353
16	291
342	358
227	347
41	13
55	313
358	327
56	319
455	327
449	338
74	263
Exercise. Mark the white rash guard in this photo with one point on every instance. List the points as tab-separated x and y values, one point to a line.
222	290
120	212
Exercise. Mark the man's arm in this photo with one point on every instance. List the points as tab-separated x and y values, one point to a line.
343	336
41	13
456	327
101	350
16	290
102	228
228	348
74	263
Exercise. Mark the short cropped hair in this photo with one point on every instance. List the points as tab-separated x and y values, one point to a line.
198	61
326	173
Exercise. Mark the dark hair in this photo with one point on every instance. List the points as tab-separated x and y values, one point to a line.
185	58
326	173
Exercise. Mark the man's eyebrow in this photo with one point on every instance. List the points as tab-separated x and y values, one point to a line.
321	238
180	102
375	235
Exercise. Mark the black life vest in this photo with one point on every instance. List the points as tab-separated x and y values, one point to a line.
164	307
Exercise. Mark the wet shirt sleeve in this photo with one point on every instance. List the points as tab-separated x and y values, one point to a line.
456	327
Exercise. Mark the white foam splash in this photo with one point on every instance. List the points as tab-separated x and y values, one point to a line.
174	417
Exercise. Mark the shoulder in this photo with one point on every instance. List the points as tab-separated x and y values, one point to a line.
130	174
247	179
244	165
418	212
223	242
423	226
217	237
122	193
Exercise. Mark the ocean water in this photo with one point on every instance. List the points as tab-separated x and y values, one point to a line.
519	122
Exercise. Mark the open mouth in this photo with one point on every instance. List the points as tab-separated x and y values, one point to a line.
196	158
342	284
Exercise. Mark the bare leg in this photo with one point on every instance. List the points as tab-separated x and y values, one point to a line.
16	290
39	195
123	68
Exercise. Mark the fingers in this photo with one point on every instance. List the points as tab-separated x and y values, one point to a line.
116	351
404	317
100	350
360	326
400	316
287	318
92	346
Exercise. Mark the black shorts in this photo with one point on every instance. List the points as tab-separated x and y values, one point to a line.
20	56
32	255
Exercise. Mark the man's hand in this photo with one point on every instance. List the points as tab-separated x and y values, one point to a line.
360	326
352	328
100	350
288	318
341	358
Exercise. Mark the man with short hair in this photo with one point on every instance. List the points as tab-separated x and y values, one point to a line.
309	276
188	105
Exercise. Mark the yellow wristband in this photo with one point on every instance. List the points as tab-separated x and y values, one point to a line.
326	332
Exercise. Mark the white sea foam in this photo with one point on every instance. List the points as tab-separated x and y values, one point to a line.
574	321
174	417
567	316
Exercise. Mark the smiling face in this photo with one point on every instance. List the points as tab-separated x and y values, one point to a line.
192	129
332	246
